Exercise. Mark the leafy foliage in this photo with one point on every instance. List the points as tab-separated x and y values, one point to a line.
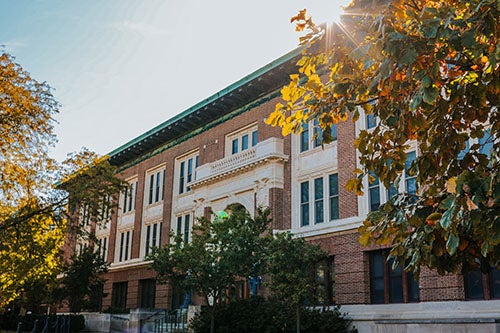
429	73
259	315
291	262
34	213
218	253
81	286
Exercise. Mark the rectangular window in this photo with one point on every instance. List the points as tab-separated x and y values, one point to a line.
392	191
390	285
155	233
181	177
410	180
234	148
304	138
148	238
127	245
119	296
104	249
187	173
187	219
122	243
147	291
318	201
184	226
482	286
244	142
374	192
371	121
255	138
158	187
129	197
325	278
333	193
304	204
317	134
151	186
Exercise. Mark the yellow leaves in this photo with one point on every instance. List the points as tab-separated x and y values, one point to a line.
433	218
301	16
354	185
451	185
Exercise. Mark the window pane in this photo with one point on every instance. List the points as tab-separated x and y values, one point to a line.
410	157
334	131
395	283
244	142
370	121
186	228
255	138
179	225
495	283
334	208
377	263
474	285
304	138
190	171
155	229
413	288
391	192
411	185
374	198
304	192
148	237
158	182
318	134
235	146
334	184
181	178
304	214
151	186
304	200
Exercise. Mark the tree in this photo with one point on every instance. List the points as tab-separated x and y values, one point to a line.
428	72
35	212
82	283
219	253
291	262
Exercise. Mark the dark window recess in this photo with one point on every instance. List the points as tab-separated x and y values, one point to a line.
147	291
390	285
119	296
481	286
325	278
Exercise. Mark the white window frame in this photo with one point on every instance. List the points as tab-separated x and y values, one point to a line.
152	237
183	178
156	193
248	132
315	201
128	198
183	221
308	133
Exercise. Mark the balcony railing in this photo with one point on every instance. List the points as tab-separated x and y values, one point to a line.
265	151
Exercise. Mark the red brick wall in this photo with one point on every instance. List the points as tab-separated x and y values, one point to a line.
346	154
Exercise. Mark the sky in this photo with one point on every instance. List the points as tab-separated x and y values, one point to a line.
121	67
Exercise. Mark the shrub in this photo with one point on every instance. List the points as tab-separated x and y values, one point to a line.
258	315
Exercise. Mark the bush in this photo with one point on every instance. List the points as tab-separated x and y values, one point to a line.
258	315
76	322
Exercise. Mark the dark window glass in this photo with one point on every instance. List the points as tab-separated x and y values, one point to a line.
179	225
255	138
370	121
148	237
147	290
181	178
155	231
318	200
151	187
234	149
318	134
333	192
244	142
474	285
495	283
304	138
190	171
122	241
334	131
377	263
158	184
127	244
187	219
304	203
410	179
119	296
374	192
395	283
125	196
391	192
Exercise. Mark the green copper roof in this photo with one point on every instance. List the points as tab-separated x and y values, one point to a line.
244	91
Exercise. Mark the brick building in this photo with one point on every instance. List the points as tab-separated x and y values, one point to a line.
220	152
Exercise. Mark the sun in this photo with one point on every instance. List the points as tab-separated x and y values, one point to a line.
325	11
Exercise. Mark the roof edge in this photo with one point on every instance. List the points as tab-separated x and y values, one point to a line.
241	82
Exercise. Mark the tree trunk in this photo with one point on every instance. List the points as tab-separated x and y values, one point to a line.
297	317
212	319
